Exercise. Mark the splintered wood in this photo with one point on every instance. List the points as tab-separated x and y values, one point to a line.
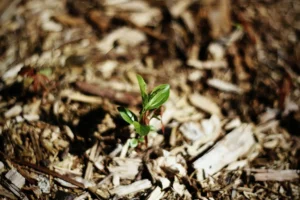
233	146
132	188
275	175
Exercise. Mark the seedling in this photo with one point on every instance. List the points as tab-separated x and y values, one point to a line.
151	108
35	79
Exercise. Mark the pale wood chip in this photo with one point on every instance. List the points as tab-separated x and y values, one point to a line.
116	151
125	149
178	8
205	104
69	132
276	175
126	168
77	96
156	194
107	68
147	17
203	132
234	145
13	188
47	24
233	124
31	117
126	36
224	86
207	64
178	188
135	187
210	131
237	165
216	50
187	18
191	131
267	126
13	71
83	196
165	183
15	177
90	167
13	111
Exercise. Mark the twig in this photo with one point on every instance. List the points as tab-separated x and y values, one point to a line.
50	172
45	171
14	189
121	97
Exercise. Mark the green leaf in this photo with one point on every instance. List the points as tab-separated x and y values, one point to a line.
158	96
141	129
143	89
127	115
46	72
141	139
133	142
27	81
152	128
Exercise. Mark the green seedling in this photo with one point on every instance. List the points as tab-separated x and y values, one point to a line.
151	108
36	79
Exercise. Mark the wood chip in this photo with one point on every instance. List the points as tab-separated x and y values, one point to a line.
68	20
31	117
135	187
69	132
276	175
178	188
210	131
224	86
234	145
77	96
130	98
13	188
207	64
126	168
180	7
217	51
14	111
156	194
165	183
205	104
125	36
15	177
233	124
12	72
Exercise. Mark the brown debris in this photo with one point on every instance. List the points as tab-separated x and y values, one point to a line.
68	20
120	97
100	20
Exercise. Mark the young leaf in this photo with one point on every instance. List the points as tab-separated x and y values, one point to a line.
141	129
152	128
143	89
46	71
158	96
127	115
133	142
141	139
